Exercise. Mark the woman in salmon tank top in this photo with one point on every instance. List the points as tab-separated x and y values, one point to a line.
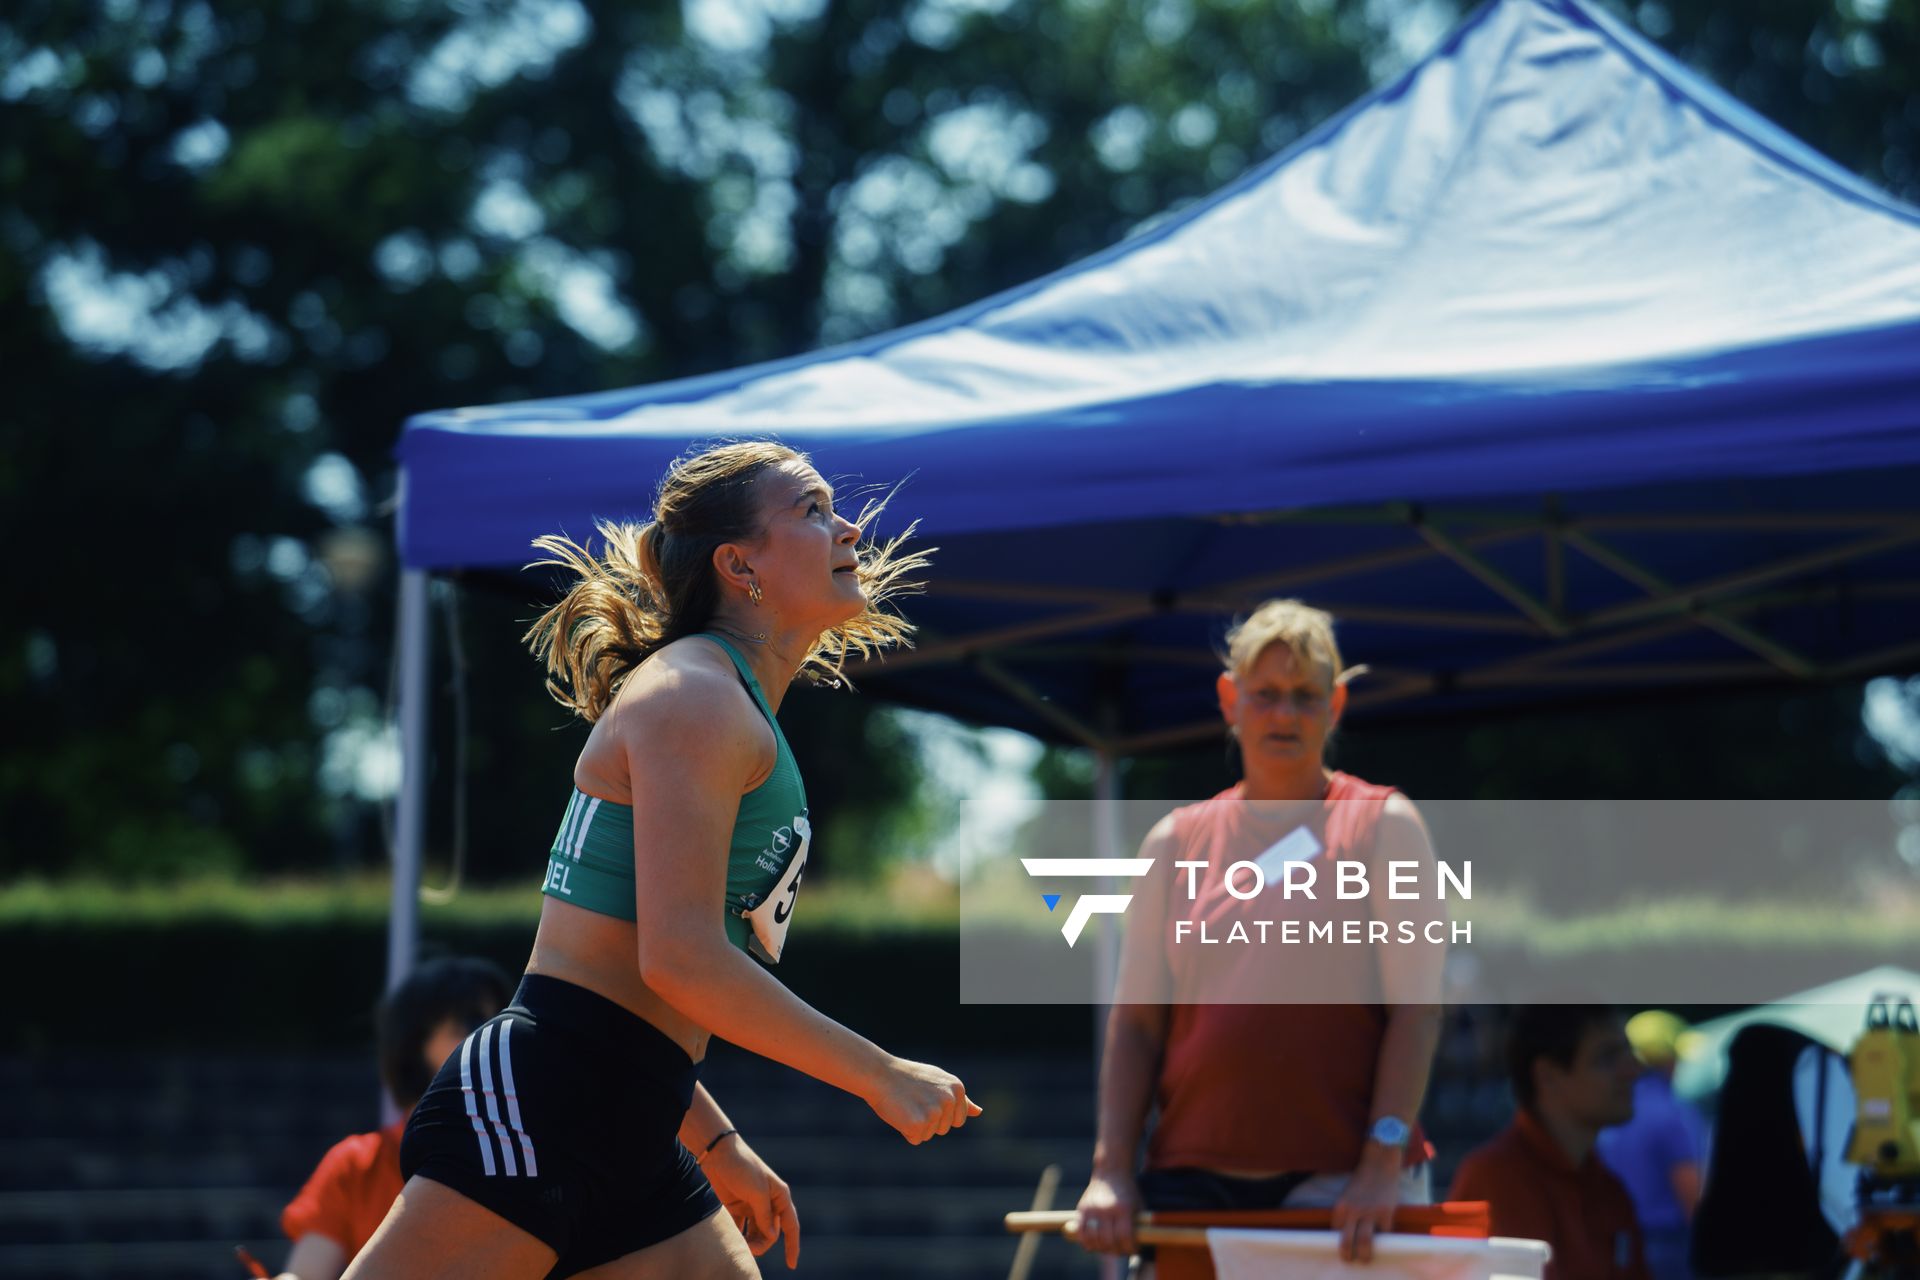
1284	1045
570	1135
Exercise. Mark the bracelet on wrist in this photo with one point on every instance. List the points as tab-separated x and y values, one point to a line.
718	1138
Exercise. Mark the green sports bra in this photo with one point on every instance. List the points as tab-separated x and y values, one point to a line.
591	862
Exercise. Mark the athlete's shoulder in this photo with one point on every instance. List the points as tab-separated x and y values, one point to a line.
692	677
687	699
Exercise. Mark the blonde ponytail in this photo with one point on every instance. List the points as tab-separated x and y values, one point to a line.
609	621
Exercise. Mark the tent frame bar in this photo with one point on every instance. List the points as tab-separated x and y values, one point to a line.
962	648
1787	659
1684	607
1879	660
1692	596
1231	595
1399	513
1541	614
1548	616
1025	694
413	646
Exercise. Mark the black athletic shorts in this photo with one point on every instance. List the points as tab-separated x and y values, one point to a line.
562	1115
1184	1188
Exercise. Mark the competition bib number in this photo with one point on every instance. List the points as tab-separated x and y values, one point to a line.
771	918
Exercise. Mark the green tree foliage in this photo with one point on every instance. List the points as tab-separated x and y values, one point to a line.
1843	76
239	243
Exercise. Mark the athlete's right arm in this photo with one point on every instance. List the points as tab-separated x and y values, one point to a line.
693	743
1136	1039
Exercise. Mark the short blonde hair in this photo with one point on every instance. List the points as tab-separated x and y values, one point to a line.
1305	632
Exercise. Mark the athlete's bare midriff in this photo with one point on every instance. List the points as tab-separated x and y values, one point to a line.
602	954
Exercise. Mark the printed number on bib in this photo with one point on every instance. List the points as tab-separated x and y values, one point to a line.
771	918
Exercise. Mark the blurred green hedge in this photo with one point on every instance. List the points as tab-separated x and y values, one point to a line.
298	965
290	967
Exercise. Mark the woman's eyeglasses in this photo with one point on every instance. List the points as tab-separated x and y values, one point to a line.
1303	702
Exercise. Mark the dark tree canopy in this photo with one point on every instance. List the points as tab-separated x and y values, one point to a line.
239	243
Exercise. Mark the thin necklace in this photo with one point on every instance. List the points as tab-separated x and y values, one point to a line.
758	637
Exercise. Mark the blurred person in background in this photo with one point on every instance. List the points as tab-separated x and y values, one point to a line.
1779	1195
418	1026
1573	1074
1265	1104
1657	1154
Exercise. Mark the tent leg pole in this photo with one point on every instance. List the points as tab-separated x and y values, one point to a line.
1106	844
409	823
1106	841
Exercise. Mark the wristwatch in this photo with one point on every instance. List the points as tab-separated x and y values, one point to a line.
1390	1131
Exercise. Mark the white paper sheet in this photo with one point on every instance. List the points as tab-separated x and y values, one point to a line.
1253	1254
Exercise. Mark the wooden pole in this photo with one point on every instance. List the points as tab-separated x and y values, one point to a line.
1029	1246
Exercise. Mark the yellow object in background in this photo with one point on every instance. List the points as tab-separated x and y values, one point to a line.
1886	1083
1661	1039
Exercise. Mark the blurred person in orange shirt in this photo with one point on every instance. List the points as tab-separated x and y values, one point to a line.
419	1025
1573	1073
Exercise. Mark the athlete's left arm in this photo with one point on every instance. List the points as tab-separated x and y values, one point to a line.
1410	985
757	1198
704	1122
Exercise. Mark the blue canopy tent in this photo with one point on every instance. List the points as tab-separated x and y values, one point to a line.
1551	369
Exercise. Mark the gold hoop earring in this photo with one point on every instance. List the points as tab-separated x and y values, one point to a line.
754	593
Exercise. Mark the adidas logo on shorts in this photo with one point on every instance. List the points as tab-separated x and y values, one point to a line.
486	1098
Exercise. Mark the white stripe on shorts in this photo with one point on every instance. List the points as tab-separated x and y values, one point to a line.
473	1110
513	1099
493	1103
